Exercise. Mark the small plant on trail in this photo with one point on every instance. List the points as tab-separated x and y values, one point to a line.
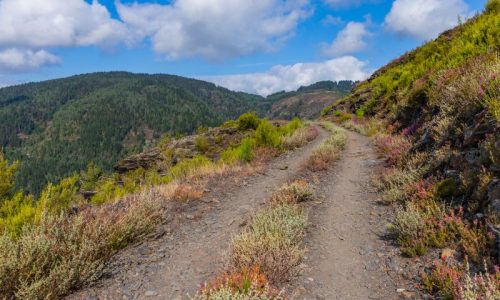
247	284
295	192
272	242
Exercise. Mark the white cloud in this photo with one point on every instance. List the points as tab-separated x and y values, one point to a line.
349	40
54	23
25	60
34	26
291	77
215	29
424	19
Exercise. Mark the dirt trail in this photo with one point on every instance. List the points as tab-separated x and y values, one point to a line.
173	266
347	257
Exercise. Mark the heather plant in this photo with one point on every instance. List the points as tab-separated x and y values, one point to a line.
273	242
294	192
323	156
246	284
63	252
458	282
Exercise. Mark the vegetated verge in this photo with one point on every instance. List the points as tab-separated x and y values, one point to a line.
266	254
434	115
64	239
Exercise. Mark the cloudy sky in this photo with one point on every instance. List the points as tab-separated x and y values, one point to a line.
259	46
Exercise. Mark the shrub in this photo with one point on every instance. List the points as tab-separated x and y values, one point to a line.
457	282
325	154
295	192
7	172
17	212
273	242
90	177
186	192
243	153
57	198
267	135
247	284
201	143
321	158
248	121
188	166
63	252
291	127
446	187
300	137
395	148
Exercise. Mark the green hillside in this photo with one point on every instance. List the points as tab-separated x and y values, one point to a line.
57	127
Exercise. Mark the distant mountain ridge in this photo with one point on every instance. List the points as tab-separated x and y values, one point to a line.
307	102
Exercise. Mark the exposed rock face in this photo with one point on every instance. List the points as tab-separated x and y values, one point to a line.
144	160
208	143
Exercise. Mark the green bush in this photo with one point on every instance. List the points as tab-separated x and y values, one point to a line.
291	126
248	121
201	143
7	172
243	153
267	135
186	167
56	198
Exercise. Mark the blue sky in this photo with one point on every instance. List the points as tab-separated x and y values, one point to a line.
259	46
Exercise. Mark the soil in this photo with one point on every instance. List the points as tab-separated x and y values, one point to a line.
348	255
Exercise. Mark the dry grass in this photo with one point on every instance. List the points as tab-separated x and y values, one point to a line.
65	252
328	152
273	242
300	137
295	192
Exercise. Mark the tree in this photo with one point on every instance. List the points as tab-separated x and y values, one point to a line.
7	172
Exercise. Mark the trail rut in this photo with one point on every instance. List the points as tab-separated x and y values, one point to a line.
347	257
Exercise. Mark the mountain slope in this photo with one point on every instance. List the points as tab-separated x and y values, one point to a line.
57	127
307	102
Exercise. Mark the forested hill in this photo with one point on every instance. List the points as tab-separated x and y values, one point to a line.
57	127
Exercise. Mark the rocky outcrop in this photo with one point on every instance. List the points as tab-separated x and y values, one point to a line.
208	143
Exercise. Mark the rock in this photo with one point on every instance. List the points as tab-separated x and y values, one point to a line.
151	293
189	217
400	290
143	160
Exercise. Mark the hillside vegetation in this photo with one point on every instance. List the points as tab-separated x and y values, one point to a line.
57	127
435	115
